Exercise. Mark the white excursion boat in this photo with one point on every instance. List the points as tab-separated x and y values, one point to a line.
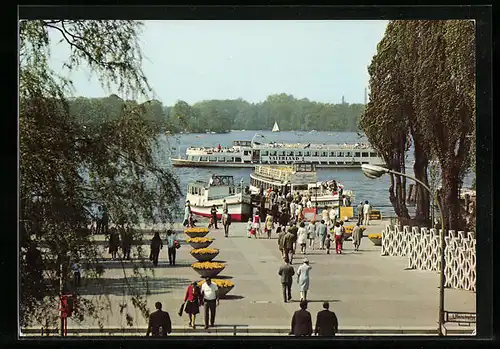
299	177
250	153
275	127
202	196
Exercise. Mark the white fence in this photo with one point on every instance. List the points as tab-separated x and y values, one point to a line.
422	247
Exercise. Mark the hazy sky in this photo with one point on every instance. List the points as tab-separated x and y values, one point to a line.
199	60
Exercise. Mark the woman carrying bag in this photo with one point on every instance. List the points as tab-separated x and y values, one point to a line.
192	301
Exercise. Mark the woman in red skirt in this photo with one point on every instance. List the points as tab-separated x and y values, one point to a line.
338	237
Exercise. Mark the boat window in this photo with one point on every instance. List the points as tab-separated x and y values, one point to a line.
348	154
245	152
272	153
357	154
237	159
212	158
373	155
299	153
332	153
282	153
315	153
365	155
340	154
306	153
231	191
203	158
230	159
264	153
290	153
196	158
324	153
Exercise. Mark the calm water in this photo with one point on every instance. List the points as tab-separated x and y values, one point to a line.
375	191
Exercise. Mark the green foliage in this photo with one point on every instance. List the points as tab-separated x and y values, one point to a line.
70	160
423	84
223	115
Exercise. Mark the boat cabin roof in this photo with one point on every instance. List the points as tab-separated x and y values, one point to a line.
242	143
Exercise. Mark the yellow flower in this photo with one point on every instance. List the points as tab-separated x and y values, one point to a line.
199	240
204	251
220	283
349	228
207	265
375	236
196	230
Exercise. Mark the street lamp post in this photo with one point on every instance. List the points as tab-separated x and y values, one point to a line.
372	172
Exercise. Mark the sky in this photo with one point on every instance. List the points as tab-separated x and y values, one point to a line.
201	60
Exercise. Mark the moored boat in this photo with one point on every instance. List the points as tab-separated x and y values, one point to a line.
203	195
301	178
250	153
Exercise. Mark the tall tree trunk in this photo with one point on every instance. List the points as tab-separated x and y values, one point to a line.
422	196
453	219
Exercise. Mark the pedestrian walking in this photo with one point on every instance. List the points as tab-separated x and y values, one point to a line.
281	241
99	215
224	205
321	233
286	272
256	224
192	301
104	220
302	322
288	244
171	246
250	229
159	322
226	222
328	242
311	233
360	212
156	246
269	225
114	243
302	237
303	278
356	236
77	273
210	301
126	239
327	324
213	213
366	213
338	238
187	211
284	218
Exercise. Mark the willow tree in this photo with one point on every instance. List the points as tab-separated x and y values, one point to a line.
384	121
66	166
445	104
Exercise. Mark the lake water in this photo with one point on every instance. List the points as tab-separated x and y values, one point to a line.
373	190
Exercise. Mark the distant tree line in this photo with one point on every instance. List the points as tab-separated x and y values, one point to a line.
223	115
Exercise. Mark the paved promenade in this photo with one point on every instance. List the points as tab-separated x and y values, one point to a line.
363	288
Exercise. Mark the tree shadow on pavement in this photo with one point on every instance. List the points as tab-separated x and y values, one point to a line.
119	287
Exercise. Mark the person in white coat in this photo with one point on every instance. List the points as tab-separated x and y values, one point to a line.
303	279
302	237
311	234
366	213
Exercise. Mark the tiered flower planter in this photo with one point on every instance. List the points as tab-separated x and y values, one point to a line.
205	267
376	239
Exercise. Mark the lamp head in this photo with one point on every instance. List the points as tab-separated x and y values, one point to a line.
372	171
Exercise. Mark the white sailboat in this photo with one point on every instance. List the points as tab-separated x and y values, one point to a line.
275	127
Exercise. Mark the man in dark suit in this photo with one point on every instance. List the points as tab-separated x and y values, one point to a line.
159	322
326	322
301	321
286	272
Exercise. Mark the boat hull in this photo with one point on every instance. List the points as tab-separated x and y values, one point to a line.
240	212
190	163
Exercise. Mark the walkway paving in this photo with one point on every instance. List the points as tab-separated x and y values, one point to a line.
363	288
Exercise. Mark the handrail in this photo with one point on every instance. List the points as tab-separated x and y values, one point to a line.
235	330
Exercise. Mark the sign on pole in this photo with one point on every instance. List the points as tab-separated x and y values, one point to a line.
460	317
